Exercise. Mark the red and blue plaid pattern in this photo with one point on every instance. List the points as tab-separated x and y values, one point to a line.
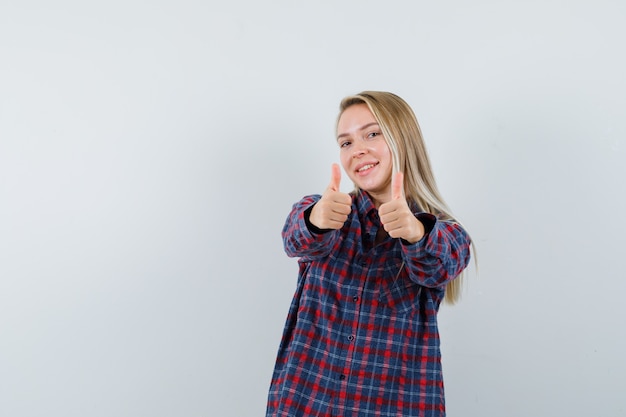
361	336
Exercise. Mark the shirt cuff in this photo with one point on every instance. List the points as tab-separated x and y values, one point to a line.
428	220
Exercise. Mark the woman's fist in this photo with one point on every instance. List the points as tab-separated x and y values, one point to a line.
332	210
396	216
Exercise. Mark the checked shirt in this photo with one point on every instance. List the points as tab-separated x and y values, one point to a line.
361	335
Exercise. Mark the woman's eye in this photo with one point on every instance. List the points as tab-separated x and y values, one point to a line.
344	144
373	134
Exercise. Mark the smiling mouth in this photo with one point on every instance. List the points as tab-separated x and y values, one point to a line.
366	167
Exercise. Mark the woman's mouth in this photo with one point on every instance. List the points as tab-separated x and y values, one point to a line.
366	167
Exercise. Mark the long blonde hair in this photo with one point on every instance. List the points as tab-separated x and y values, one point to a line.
403	135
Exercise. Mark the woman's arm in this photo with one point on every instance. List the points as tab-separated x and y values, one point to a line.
440	256
301	238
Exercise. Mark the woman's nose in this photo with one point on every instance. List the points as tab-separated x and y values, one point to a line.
358	150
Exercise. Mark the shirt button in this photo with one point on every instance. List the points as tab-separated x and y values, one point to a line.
342	377
351	338
355	298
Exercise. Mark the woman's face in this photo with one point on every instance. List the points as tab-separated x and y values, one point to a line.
364	154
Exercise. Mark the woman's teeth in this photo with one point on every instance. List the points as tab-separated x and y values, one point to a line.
363	168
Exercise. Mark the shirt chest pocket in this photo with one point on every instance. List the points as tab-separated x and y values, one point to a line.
401	295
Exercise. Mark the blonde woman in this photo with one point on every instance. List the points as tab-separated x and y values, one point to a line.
361	335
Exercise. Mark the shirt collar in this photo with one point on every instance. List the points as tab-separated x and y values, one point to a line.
365	205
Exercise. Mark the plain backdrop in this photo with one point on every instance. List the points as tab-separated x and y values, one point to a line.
150	152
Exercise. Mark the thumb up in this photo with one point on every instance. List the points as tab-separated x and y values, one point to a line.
335	178
332	210
397	186
396	216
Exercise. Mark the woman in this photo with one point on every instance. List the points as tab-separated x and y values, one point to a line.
361	337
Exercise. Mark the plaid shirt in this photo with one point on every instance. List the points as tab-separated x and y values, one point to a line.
361	336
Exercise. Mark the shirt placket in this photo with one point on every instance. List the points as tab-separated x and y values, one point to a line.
350	334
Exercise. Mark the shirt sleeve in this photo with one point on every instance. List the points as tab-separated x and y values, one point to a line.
440	256
301	241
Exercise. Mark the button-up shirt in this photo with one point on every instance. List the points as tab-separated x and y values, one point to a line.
361	336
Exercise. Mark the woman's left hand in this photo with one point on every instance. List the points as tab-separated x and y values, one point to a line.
396	216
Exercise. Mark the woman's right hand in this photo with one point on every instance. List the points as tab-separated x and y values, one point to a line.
332	210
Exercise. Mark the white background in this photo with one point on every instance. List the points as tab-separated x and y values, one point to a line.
151	150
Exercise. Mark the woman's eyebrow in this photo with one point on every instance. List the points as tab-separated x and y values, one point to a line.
361	128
